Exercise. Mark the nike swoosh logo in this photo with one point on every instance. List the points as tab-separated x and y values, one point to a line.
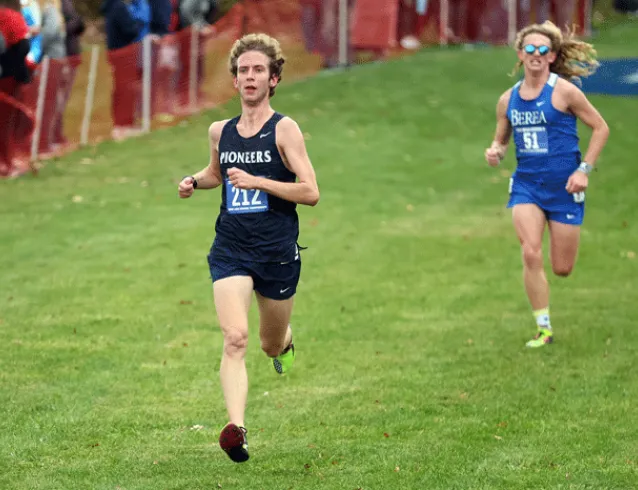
265	134
282	291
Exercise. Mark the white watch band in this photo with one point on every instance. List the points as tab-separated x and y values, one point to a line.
585	167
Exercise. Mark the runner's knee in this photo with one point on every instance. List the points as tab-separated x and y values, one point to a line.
235	342
532	256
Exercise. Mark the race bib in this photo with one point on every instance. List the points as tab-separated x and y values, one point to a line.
532	140
240	201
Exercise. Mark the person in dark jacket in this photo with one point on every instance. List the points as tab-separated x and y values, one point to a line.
75	27
161	11
121	28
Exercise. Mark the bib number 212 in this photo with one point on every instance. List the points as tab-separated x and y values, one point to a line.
245	200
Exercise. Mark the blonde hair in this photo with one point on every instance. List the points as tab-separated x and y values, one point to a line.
574	58
264	44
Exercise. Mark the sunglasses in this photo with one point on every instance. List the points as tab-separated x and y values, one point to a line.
531	49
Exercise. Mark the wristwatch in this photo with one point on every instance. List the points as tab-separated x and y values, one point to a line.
585	167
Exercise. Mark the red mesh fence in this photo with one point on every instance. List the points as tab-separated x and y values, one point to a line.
17	122
126	90
188	70
487	21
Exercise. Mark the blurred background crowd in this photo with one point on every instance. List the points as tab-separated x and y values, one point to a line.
159	51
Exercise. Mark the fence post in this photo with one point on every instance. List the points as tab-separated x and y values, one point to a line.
512	21
444	21
44	74
146	84
343	32
192	76
90	93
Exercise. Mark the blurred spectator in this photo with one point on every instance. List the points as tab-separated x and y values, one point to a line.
465	21
122	28
127	22
174	24
54	47
543	10
197	12
33	17
161	11
14	47
563	13
14	33
194	14
320	26
75	27
53	30
626	6
407	28
310	15
328	35
164	20
141	13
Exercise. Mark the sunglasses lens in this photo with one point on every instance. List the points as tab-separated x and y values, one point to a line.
543	50
529	49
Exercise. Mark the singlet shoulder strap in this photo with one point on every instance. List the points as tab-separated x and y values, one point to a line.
276	117
231	123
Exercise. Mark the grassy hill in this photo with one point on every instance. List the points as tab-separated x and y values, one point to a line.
410	320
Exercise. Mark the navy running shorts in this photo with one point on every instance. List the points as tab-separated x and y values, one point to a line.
274	280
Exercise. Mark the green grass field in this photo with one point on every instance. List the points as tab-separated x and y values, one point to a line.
410	321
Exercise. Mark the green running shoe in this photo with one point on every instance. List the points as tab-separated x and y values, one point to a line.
283	362
543	337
